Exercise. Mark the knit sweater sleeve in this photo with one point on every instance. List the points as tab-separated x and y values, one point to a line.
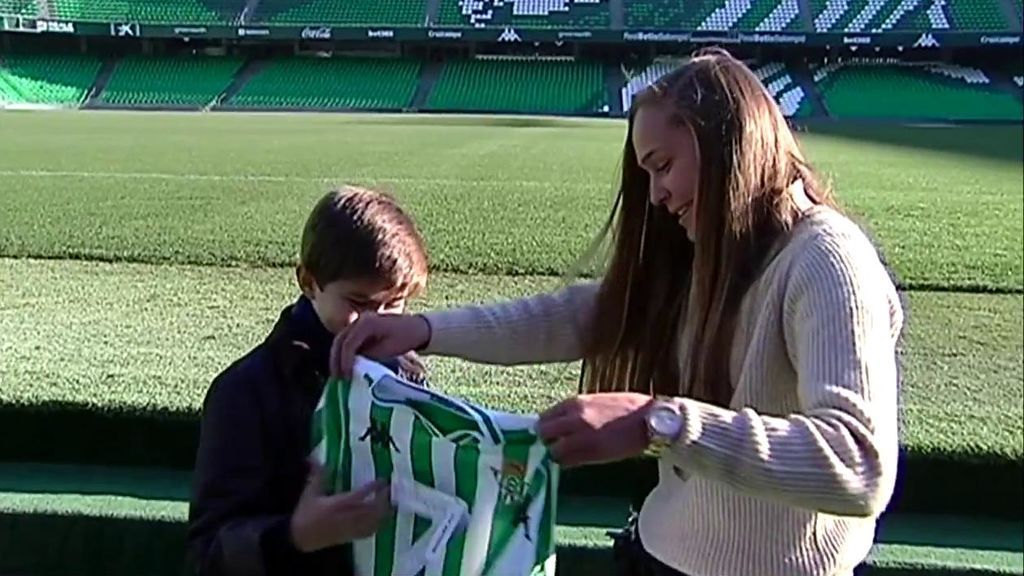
547	327
838	454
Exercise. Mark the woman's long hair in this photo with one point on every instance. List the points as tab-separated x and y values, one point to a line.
748	159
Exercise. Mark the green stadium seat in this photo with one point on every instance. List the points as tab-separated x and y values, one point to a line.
775	76
528	86
170	81
336	83
148	11
357	12
877	16
19	8
715	15
892	90
525	13
978	16
47	80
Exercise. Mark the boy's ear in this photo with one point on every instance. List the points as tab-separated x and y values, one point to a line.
305	281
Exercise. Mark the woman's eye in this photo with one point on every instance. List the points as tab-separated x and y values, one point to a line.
663	167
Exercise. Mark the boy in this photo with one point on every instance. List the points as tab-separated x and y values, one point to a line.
257	504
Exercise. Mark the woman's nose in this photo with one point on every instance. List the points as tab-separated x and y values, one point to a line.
658	194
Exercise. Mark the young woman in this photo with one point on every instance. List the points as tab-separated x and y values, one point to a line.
744	331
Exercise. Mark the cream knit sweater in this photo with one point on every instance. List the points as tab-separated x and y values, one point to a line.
791	478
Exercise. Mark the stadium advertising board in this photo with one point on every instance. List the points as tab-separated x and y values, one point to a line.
326	32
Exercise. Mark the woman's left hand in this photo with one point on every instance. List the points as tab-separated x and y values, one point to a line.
596	428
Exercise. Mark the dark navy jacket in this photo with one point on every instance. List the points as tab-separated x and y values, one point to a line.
251	465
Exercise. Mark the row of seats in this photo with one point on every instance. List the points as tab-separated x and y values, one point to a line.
19	7
869	88
525	13
774	75
523	86
358	12
887	89
146	11
47	80
874	16
368	84
877	16
181	81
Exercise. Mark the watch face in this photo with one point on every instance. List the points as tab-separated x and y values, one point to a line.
664	421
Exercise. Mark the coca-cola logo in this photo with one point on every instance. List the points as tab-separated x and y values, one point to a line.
317	33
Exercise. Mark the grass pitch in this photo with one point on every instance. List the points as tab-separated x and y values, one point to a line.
515	198
195	215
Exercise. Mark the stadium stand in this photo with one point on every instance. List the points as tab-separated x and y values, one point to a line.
877	16
715	15
19	7
46	80
358	12
144	11
351	83
977	15
892	89
169	81
775	76
525	13
543	86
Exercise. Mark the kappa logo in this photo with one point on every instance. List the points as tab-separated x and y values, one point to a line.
509	35
926	41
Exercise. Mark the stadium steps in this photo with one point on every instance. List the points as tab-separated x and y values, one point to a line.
806	15
241	78
121	521
614	80
428	78
805	79
102	79
616	14
432	11
1012	14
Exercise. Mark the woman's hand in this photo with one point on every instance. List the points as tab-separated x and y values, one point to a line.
377	336
596	428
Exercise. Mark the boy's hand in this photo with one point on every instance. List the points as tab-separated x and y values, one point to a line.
321	521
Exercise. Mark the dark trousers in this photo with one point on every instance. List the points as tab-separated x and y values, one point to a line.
630	557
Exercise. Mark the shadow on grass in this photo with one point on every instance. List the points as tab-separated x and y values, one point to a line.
998	142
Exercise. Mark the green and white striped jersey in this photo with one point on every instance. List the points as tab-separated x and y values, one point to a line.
475	490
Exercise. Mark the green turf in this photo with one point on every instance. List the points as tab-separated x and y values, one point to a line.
136	337
52	507
499	197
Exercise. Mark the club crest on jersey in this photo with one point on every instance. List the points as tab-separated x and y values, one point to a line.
511	482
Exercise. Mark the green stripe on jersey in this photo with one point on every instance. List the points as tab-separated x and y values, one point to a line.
493	462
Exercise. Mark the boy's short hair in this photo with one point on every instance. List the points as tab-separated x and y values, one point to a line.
357	234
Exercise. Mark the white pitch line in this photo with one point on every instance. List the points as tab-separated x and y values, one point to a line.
269	178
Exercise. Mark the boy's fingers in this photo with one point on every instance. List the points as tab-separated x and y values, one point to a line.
314	480
359	496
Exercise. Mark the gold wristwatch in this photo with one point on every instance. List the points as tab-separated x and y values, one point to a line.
664	426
